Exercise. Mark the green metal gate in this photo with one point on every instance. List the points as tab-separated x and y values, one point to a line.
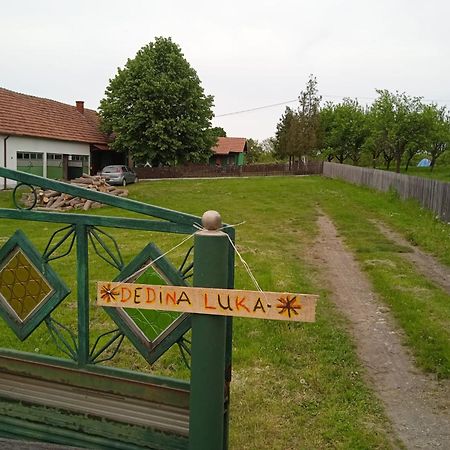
76	395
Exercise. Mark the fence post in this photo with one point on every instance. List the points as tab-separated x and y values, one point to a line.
83	294
207	402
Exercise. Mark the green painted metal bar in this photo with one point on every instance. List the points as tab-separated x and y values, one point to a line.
119	202
83	294
92	376
33	430
115	335
98	221
116	260
50	250
207	403
59	338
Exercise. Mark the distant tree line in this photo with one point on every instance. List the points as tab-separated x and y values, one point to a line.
393	130
157	112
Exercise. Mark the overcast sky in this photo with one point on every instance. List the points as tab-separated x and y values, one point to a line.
247	53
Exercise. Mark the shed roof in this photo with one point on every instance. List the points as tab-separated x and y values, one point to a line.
226	145
26	115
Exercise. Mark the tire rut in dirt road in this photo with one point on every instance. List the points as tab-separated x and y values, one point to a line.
417	405
426	264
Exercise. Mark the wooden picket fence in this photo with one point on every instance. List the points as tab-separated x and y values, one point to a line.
431	194
205	171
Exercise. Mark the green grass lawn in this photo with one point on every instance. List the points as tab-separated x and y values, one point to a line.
441	173
295	386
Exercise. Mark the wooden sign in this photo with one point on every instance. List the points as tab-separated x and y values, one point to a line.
224	302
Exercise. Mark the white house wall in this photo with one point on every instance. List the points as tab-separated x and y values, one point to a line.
2	162
16	144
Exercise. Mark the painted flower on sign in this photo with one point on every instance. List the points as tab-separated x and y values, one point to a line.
108	293
288	305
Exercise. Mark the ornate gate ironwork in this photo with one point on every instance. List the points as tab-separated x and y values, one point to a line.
77	397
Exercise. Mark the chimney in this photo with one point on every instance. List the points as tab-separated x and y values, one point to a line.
80	106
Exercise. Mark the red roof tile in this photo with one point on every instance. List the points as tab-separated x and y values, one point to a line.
25	115
226	145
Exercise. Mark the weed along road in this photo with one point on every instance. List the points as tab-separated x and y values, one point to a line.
223	302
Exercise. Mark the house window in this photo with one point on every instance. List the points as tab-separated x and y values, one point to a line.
55	166
77	165
77	157
30	163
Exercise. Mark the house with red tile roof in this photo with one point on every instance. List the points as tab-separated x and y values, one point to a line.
50	138
229	151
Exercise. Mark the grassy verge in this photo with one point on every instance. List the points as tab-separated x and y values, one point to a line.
441	172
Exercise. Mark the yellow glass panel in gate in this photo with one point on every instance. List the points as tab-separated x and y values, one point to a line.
22	287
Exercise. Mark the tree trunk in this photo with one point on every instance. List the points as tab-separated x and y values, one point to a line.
398	163
375	156
432	163
408	161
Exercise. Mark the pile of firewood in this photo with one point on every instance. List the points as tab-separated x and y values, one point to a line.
56	201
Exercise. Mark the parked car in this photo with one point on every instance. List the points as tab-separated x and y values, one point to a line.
118	174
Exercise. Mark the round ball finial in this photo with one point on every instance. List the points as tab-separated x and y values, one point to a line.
211	220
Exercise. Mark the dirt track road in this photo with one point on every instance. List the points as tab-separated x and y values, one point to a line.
417	405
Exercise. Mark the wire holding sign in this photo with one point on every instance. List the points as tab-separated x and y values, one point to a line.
224	302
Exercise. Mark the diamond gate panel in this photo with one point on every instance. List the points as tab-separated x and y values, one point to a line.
22	287
29	288
152	332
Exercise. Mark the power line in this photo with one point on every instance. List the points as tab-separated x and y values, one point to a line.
280	104
258	107
296	100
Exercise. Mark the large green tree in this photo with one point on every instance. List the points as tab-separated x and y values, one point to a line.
376	144
260	151
297	134
399	125
422	120
308	122
381	119
439	141
344	130
254	151
156	110
284	137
